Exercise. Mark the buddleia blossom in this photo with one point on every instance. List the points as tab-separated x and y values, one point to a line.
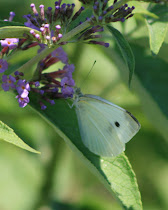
11	16
3	65
49	85
105	13
56	84
53	24
11	43
20	86
22	101
8	82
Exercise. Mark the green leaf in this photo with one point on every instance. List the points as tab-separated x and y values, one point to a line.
115	173
125	50
139	9
15	32
157	27
10	23
8	135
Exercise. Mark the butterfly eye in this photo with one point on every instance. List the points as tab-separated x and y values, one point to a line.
117	124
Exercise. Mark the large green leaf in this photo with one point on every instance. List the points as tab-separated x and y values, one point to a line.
115	173
8	135
157	27
125	50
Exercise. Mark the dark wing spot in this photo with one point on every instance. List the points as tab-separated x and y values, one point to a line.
117	124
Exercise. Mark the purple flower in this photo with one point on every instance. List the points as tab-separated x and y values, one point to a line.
29	23
60	54
3	65
37	84
23	88
43	107
67	81
8	82
11	43
69	68
22	101
67	91
12	15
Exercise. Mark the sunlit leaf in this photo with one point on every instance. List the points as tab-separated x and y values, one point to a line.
8	135
140	9
157	27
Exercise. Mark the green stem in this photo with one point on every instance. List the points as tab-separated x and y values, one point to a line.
47	51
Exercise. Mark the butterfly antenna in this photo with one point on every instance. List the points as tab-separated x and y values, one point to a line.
88	74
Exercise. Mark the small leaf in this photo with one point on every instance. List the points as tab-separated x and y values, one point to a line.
10	23
157	27
115	173
8	135
15	32
125	50
139	9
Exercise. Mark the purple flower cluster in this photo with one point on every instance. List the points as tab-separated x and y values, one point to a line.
21	86
103	13
49	85
9	43
52	23
56	84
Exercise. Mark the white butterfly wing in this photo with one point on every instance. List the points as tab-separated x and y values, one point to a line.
104	127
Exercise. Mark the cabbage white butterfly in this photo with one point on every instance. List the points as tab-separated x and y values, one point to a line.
104	126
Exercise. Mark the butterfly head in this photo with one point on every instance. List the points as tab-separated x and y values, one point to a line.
77	95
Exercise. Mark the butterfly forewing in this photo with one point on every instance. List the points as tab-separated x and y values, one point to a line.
97	133
104	127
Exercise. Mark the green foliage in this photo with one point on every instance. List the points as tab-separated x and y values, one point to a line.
157	27
8	135
125	50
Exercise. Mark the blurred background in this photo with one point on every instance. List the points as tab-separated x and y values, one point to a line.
56	179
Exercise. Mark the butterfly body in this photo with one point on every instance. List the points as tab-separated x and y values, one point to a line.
104	126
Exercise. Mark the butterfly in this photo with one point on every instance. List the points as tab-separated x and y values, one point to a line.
104	127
